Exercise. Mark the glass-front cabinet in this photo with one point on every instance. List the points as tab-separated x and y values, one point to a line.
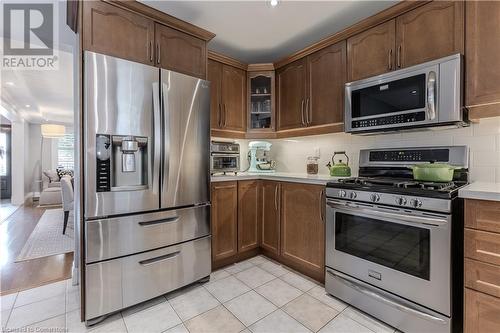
260	101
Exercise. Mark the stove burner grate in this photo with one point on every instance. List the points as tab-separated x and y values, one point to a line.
400	183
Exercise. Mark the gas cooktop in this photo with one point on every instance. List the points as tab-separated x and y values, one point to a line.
400	186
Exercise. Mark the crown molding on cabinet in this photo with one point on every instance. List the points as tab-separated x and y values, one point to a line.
260	67
227	60
383	16
163	18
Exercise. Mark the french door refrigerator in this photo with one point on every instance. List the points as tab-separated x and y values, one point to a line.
147	180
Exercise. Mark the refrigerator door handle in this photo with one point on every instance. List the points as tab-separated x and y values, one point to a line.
157	137
166	137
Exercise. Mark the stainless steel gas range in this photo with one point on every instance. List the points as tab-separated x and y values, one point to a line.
394	246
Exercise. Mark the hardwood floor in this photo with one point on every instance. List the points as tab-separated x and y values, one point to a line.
17	276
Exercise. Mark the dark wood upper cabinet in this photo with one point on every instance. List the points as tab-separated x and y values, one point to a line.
180	52
429	32
270	230
224	217
326	81
233	98
214	75
303	227
117	32
249	214
371	52
292	91
482	56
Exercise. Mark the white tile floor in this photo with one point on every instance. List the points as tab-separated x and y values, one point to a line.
257	295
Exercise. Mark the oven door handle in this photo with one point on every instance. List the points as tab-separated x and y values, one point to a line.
348	281
429	221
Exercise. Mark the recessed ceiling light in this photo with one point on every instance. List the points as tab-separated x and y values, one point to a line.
274	3
27	105
9	83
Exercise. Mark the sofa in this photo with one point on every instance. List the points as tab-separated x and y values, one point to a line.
51	189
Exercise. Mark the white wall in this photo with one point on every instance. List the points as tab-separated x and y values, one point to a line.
20	131
483	139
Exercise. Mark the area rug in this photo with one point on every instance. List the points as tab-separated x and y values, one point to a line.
47	238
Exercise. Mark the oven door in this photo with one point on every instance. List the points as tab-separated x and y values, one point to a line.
405	253
225	163
393	100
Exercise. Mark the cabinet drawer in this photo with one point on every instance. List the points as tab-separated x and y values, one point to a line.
482	245
120	236
115	284
482	313
482	215
482	277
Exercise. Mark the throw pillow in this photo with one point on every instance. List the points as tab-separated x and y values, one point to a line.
52	175
64	172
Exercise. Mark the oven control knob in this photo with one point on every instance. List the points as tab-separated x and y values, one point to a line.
416	203
353	195
401	201
375	197
342	193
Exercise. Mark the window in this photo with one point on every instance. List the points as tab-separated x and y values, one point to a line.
66	151
3	154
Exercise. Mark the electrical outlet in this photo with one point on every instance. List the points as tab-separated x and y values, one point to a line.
317	152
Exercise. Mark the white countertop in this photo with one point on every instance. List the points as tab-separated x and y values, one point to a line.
481	191
278	176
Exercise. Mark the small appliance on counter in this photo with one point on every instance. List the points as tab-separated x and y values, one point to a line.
394	245
224	157
259	161
339	169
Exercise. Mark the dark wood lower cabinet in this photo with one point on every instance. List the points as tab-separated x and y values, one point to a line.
482	313
224	215
270	231
284	221
249	210
303	228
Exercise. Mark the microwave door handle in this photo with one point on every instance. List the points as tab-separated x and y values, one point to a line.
431	95
419	220
348	281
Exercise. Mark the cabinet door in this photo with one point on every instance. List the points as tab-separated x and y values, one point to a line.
482	313
270	230
430	32
117	32
224	217
482	52
248	214
233	98
215	78
180	52
303	227
292	91
326	76
371	52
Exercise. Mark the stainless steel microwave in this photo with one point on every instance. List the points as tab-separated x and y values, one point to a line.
425	95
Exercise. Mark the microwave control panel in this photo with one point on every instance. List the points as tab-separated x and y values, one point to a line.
390	120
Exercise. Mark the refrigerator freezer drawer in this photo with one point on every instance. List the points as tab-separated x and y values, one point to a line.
116	284
121	236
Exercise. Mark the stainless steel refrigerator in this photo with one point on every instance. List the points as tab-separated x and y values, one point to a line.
147	179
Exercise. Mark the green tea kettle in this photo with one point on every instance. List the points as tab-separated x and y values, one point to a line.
339	169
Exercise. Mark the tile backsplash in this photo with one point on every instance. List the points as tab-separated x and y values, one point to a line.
483	140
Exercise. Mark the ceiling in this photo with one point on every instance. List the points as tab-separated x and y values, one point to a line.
43	96
254	31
